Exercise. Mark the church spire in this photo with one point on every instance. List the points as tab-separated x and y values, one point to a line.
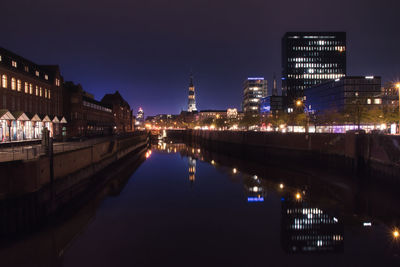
191	96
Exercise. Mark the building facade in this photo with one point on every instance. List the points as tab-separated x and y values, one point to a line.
121	111
311	58
254	88
272	104
87	117
340	94
30	98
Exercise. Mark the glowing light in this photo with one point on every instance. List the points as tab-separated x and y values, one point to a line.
299	103
367	224
212	162
398	85
234	170
281	186
148	153
255	199
369	77
298	196
396	233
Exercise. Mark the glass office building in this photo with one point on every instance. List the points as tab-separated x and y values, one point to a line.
339	94
311	58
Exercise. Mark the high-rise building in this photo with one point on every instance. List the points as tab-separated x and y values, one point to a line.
139	117
254	88
310	58
191	97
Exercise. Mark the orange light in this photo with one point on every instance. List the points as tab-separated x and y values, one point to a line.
299	103
396	233
398	85
298	196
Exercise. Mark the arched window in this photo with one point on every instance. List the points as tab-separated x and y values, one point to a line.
13	84
19	85
4	81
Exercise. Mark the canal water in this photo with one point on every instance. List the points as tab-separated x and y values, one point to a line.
185	206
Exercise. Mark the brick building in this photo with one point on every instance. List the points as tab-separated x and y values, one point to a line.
87	116
30	98
123	118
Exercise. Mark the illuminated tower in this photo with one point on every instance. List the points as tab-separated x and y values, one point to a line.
191	96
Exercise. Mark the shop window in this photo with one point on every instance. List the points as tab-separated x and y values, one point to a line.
4	81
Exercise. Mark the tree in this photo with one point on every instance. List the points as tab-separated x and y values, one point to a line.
250	120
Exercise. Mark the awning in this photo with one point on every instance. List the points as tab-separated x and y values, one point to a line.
46	119
20	116
6	115
33	117
56	120
63	120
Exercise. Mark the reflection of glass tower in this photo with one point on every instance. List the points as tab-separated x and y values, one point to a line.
191	97
192	169
306	229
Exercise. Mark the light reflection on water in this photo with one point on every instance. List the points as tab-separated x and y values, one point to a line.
186	206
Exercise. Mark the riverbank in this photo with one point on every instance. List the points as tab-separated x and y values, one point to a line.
357	153
32	191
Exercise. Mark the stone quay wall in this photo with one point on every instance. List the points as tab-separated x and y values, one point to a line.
369	154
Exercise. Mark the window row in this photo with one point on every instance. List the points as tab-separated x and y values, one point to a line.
29	88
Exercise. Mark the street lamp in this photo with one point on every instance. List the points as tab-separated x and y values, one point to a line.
398	91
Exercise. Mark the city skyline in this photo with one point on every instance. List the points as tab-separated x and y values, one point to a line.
125	49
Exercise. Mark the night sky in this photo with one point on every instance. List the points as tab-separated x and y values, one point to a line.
146	49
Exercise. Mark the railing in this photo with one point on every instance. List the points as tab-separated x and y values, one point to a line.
30	152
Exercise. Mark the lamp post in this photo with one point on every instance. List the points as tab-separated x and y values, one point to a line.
300	103
398	91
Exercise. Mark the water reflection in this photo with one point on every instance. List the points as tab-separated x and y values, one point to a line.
306	228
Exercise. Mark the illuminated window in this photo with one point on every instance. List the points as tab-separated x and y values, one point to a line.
45	93
37	73
30	88
368	101
13	84
40	92
4	81
46	76
26	68
19	85
49	95
26	88
37	90
14	63
377	101
57	82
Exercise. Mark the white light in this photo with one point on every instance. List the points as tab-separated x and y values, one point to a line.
337	80
369	77
367	224
335	219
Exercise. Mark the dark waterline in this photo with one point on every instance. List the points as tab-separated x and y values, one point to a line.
187	207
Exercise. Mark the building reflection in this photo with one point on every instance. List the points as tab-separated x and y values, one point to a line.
192	169
254	190
308	229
